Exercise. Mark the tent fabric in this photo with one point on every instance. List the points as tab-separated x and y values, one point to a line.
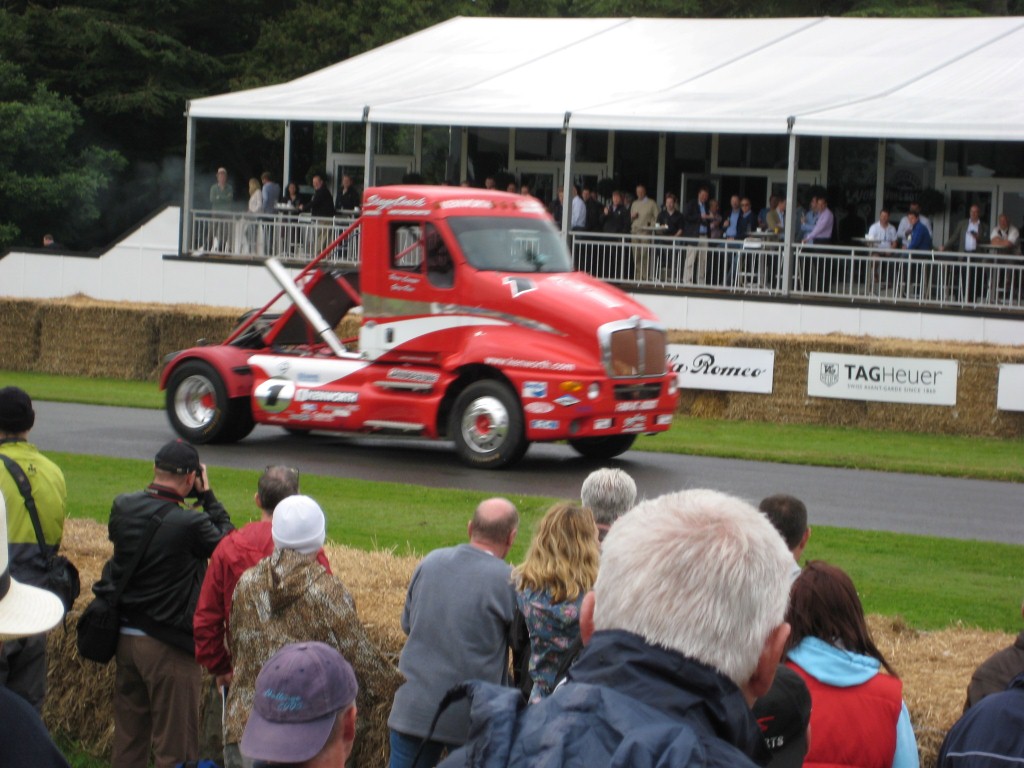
874	78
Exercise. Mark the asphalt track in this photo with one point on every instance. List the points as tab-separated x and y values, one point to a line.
938	506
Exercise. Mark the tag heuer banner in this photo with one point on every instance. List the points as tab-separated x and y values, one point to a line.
882	379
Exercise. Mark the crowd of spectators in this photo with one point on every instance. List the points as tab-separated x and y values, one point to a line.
681	630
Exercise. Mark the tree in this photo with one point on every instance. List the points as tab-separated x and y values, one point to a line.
48	182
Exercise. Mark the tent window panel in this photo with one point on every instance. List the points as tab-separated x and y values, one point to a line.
984	159
591	146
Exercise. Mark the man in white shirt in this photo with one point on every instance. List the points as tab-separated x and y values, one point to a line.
578	219
1006	236
884	236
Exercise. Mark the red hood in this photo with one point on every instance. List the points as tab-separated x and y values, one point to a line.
570	303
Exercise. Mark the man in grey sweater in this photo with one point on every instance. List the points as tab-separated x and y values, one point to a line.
458	616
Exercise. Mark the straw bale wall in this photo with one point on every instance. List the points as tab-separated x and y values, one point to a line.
934	666
84	337
974	414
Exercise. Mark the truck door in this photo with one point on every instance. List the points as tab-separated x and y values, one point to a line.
420	284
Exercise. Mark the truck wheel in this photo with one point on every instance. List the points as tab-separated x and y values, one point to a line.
199	408
603	447
487	426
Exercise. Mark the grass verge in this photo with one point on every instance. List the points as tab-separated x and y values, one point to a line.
931	582
811	444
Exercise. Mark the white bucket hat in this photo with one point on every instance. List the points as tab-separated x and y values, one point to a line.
298	523
24	610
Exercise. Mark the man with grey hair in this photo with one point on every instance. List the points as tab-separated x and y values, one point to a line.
458	616
684	629
608	493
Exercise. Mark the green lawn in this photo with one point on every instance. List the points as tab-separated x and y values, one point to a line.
930	582
983	458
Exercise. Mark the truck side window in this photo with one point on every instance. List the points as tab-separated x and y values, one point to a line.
440	268
406	247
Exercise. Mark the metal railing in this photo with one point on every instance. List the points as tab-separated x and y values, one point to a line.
755	265
290	237
853	273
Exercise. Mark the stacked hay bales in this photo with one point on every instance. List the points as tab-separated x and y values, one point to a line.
934	666
974	414
19	334
79	700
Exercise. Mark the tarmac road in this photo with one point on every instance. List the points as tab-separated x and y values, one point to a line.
963	509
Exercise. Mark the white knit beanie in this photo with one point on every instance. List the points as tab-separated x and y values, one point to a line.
298	523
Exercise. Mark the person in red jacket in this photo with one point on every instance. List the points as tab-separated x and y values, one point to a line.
234	555
858	717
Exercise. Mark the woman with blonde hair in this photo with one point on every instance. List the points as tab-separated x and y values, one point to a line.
559	569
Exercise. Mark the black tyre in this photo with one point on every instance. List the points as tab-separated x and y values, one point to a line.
199	408
487	426
603	447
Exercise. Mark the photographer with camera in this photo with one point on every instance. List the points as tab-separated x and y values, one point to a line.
157	686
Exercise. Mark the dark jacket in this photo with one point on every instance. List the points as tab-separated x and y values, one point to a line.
626	703
993	674
746	223
161	597
989	734
322	203
617	221
957	240
692	221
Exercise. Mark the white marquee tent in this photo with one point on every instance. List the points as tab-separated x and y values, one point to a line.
892	78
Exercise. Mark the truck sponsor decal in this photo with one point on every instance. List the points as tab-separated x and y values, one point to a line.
636	423
538	407
630	406
535	389
326	396
418	377
386	203
602	423
544	424
519	285
567	400
537	365
662	419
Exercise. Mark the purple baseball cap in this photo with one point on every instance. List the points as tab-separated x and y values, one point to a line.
299	693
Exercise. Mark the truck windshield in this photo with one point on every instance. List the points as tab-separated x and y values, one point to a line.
507	244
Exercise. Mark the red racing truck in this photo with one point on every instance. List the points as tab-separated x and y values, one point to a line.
474	328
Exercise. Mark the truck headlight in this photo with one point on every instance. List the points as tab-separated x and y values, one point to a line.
594	391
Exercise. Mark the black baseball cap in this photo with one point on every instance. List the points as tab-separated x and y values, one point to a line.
16	414
783	715
178	457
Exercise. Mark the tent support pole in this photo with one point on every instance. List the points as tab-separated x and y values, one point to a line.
464	155
662	145
787	248
286	172
185	245
570	150
370	175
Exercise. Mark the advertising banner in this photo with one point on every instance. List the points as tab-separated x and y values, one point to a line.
882	379
728	369
1011	388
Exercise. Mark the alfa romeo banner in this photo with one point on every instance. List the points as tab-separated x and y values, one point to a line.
729	369
882	379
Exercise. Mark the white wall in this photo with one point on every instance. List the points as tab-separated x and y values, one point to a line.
135	270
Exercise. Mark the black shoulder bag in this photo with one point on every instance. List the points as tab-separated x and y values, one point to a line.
99	626
61	573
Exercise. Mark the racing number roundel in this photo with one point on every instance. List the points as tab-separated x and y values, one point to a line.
274	395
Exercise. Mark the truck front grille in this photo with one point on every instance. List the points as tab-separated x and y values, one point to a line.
634	349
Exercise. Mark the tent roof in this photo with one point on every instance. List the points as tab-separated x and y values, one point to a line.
897	78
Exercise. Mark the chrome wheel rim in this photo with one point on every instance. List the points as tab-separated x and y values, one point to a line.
195	402
485	425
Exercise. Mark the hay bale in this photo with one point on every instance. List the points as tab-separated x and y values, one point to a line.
85	338
19	334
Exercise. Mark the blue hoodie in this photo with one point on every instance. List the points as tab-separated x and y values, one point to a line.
843	669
